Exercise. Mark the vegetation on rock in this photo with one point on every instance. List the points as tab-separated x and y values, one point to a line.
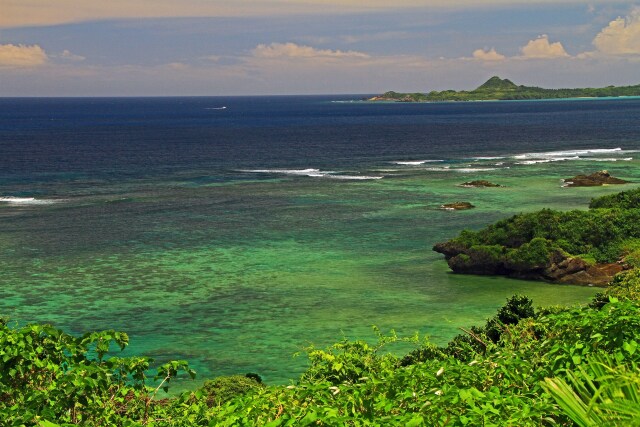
583	247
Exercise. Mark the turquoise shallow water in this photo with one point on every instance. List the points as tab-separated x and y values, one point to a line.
233	290
237	274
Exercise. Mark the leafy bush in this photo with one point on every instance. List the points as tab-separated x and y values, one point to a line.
533	255
48	375
599	393
518	307
625	285
351	361
624	200
223	389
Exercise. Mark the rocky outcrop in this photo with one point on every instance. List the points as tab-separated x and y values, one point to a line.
493	260
457	206
597	275
479	183
595	179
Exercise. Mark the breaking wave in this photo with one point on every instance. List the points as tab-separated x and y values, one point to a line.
314	173
26	201
415	162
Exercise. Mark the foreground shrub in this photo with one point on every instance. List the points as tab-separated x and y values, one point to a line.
48	375
599	393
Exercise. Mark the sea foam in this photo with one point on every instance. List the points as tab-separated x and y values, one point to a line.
415	162
588	154
354	177
467	170
610	159
314	173
549	160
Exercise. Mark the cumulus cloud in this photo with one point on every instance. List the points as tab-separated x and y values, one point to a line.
621	36
487	55
540	48
293	50
22	56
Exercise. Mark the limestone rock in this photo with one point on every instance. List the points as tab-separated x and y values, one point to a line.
457	206
595	179
479	183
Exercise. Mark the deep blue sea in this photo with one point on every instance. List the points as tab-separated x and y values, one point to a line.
233	231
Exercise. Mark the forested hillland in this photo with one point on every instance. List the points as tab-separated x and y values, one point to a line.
496	89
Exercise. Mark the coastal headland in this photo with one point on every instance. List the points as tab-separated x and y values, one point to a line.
574	247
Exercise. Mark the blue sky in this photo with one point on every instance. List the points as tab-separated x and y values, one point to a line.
207	47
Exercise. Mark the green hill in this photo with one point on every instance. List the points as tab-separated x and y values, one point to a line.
496	83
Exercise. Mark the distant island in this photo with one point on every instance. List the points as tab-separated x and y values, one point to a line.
498	89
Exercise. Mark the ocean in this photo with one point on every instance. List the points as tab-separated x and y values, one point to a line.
234	231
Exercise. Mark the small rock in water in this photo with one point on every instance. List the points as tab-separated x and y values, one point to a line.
457	206
595	179
479	183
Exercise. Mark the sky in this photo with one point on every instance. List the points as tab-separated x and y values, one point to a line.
281	47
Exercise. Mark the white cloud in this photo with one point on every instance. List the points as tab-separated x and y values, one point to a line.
22	56
293	50
179	66
540	48
71	56
488	55
621	36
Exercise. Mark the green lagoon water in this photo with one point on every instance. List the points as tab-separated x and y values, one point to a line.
237	275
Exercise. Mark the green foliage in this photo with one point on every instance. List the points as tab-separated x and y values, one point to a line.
623	200
599	393
425	352
490	254
625	285
518	307
351	361
630	250
533	255
223	389
47	375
